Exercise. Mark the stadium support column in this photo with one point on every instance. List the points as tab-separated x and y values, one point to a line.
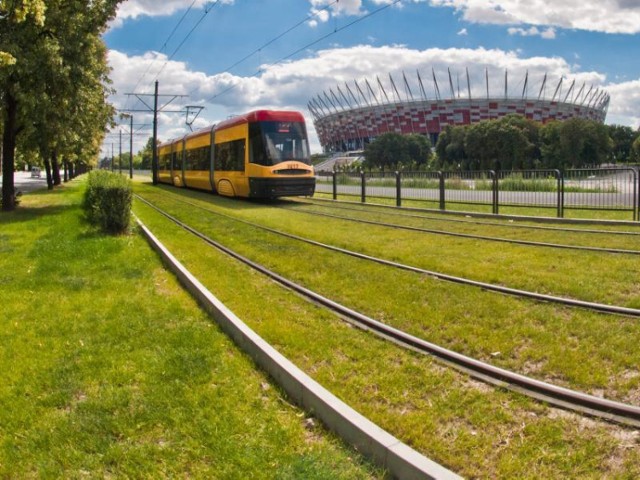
154	158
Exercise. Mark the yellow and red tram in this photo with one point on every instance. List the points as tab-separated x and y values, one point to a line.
262	154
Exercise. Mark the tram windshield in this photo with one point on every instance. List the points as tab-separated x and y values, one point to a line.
275	142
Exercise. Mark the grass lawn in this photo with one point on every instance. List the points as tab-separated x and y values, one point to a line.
108	369
473	429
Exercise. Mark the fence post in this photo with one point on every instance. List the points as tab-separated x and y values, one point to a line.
494	178
363	188
398	190
636	194
561	190
441	178
335	186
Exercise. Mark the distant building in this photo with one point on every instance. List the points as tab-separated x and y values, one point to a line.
349	116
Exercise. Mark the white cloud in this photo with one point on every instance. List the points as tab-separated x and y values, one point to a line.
625	103
152	8
548	33
609	16
343	7
291	85
322	10
463	32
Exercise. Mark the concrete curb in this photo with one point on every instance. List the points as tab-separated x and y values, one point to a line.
398	459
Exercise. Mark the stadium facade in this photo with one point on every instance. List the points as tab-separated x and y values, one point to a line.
351	115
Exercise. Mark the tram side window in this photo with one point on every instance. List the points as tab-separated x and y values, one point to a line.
197	158
230	156
163	161
175	160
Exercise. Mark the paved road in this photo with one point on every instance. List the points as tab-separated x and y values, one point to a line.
25	184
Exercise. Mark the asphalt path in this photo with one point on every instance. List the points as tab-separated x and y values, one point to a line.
25	184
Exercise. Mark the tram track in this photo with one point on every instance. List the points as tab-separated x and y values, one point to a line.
444	218
580	402
565	301
471	236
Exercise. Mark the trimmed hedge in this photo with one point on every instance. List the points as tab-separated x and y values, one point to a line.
107	201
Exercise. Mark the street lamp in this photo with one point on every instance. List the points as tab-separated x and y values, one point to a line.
130	117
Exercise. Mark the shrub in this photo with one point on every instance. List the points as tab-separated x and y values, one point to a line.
107	201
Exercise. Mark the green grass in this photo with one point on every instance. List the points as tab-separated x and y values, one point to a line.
109	370
476	430
559	344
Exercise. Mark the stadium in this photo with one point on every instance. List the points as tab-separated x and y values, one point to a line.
351	115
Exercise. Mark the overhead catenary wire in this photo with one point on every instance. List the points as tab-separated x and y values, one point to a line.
318	40
207	9
276	38
164	45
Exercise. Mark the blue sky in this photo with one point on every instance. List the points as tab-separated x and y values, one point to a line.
595	42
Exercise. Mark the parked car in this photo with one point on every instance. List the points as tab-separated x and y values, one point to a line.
35	172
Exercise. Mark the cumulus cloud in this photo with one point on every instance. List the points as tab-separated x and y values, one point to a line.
625	103
152	8
343	7
547	34
609	16
291	85
322	10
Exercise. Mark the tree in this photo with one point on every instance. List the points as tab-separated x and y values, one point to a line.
392	150
550	147
53	95
147	154
450	147
508	143
575	143
18	22
634	155
623	138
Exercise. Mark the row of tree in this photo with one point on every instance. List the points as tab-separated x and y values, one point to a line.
53	84
141	160
509	143
515	143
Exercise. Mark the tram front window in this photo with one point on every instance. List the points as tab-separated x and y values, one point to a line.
275	142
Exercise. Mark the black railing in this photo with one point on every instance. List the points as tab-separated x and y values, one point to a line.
597	189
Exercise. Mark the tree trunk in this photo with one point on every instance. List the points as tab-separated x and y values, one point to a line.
66	170
47	167
55	167
72	171
8	151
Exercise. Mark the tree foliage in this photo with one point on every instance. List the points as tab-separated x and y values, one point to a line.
516	143
393	151
52	92
634	155
623	138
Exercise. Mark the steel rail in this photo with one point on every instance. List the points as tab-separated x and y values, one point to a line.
476	237
559	396
444	218
570	302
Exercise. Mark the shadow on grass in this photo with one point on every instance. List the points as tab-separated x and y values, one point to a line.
25	214
232	203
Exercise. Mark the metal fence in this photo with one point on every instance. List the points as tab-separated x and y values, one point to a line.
552	191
